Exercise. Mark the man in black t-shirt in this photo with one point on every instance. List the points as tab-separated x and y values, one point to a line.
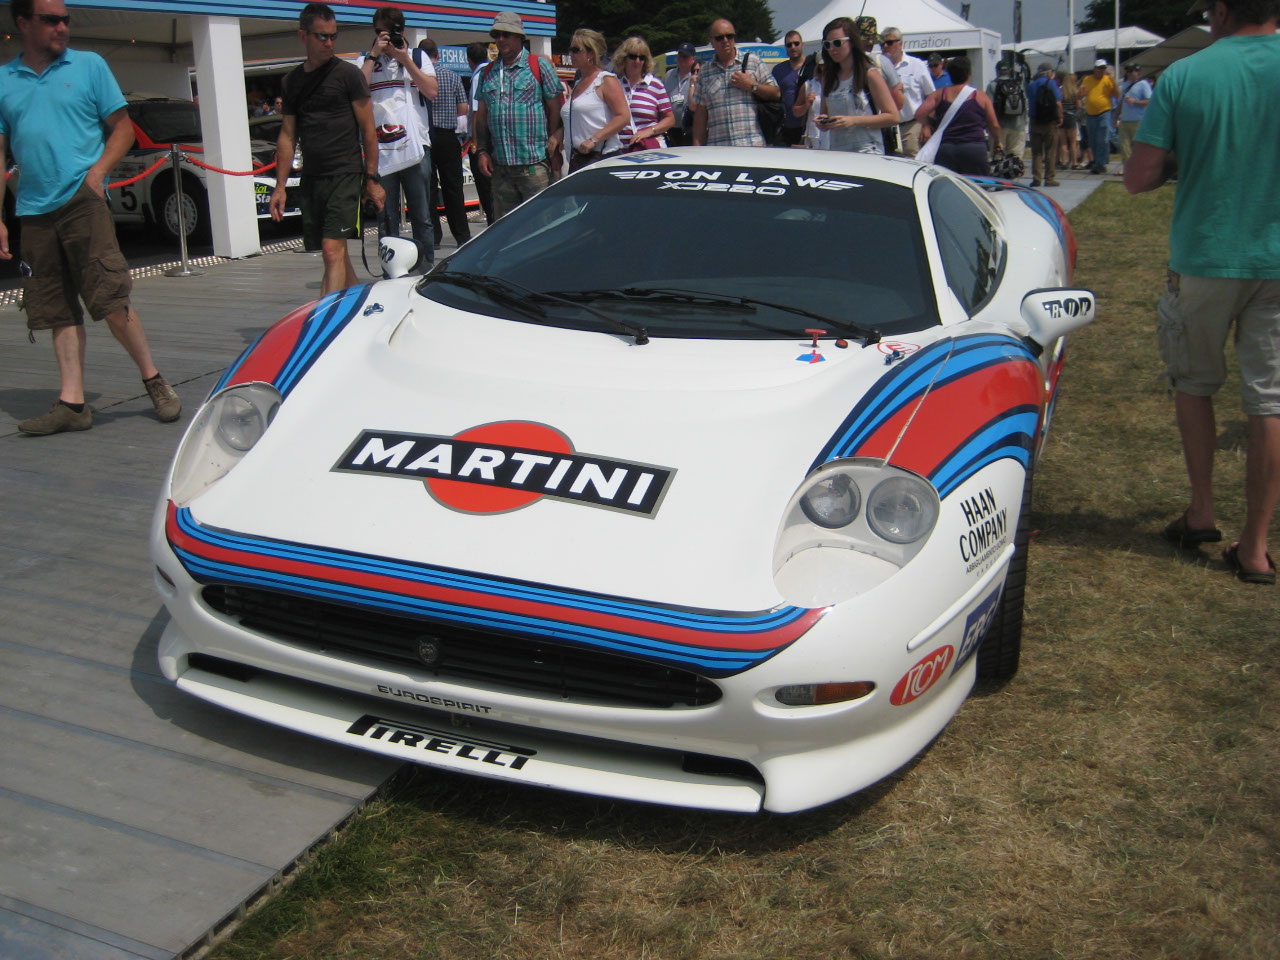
326	104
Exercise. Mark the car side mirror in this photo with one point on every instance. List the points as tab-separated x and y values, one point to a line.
398	256
1054	312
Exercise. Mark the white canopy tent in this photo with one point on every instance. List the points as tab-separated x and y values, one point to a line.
927	27
1181	44
1088	47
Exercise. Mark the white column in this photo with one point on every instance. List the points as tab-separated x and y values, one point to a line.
541	46
224	121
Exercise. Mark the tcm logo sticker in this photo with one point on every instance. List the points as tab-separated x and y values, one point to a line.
499	467
917	681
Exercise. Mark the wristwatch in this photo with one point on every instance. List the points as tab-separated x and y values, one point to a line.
374	178
754	86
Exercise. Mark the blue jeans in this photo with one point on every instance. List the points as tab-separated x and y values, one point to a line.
413	181
1099	130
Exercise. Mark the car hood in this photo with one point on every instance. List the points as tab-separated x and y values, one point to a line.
682	454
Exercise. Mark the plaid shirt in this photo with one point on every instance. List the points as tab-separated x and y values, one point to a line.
444	108
731	113
517	120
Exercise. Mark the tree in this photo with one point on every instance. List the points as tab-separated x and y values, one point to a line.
665	24
1164	17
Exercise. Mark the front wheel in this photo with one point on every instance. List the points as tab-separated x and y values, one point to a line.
1001	647
195	211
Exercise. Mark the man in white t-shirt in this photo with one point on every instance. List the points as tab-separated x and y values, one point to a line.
395	81
917	83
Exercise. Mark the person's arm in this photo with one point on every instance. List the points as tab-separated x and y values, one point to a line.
426	83
699	125
5	252
885	116
284	162
363	110
988	108
666	119
119	140
480	138
1145	168
551	105
927	106
610	91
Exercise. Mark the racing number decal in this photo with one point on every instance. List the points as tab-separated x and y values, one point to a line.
128	199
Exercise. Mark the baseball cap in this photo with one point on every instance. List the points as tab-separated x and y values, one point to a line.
687	49
867	27
935	59
1100	63
508	22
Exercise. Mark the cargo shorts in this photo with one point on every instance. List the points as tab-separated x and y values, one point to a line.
1196	314
69	254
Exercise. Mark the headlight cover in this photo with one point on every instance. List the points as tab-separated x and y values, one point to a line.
850	526
226	428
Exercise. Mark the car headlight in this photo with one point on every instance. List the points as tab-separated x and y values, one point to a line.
850	526
225	429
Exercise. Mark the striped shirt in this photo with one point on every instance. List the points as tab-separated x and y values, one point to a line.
731	113
649	103
517	119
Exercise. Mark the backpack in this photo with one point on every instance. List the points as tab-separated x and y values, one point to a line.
1046	102
1011	99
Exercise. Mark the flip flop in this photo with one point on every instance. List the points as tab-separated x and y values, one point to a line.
1266	578
1181	535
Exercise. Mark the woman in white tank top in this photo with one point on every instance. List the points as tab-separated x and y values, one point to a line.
596	110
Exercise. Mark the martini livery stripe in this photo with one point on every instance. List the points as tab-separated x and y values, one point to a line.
284	354
985	389
717	643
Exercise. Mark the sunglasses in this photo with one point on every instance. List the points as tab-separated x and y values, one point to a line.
796	43
890	43
326	37
53	19
575	49
722	37
502	34
838	42
637	56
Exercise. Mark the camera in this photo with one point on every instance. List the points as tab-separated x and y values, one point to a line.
396	38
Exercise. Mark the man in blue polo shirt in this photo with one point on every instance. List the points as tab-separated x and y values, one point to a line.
54	105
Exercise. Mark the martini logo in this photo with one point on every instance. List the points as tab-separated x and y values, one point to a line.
499	467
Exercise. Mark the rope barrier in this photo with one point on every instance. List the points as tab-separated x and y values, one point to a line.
231	173
145	173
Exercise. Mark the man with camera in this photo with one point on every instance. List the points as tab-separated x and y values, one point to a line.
404	144
326	102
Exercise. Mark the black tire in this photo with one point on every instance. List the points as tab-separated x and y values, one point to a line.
197	210
1001	647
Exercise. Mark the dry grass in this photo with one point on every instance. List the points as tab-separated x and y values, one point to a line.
1117	800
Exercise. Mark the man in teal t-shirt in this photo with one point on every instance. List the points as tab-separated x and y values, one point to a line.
55	105
1224	258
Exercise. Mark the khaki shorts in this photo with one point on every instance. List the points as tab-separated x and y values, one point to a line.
72	253
1196	315
330	208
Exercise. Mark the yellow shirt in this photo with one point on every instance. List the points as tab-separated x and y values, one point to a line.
1098	93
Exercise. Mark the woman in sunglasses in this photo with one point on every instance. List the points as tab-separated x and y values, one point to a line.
647	99
853	101
596	109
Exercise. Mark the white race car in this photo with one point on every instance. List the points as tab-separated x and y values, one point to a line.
157	123
702	478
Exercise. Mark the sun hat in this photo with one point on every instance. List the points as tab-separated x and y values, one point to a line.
508	22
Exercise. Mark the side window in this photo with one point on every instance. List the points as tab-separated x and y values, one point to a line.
972	250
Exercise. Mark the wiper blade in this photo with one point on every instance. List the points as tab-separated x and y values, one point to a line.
703	298
523	296
499	290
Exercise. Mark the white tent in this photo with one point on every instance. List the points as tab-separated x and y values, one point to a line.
1088	46
927	27
1181	44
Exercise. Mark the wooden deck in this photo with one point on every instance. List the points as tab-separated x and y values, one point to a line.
135	821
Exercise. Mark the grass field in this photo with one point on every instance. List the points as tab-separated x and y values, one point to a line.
1117	800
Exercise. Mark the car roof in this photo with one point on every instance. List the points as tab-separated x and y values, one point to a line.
895	170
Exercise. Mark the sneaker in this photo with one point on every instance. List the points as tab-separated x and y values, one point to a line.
1052	183
1035	183
164	398
59	418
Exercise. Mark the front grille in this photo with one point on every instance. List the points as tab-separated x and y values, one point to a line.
480	657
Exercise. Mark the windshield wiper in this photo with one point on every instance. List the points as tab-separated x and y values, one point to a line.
508	291
702	298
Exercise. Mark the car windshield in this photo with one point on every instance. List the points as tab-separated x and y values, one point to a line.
693	251
167	121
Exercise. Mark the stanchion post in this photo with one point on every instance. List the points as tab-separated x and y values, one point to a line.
184	269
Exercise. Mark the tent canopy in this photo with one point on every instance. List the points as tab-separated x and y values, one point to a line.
1088	46
1181	44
